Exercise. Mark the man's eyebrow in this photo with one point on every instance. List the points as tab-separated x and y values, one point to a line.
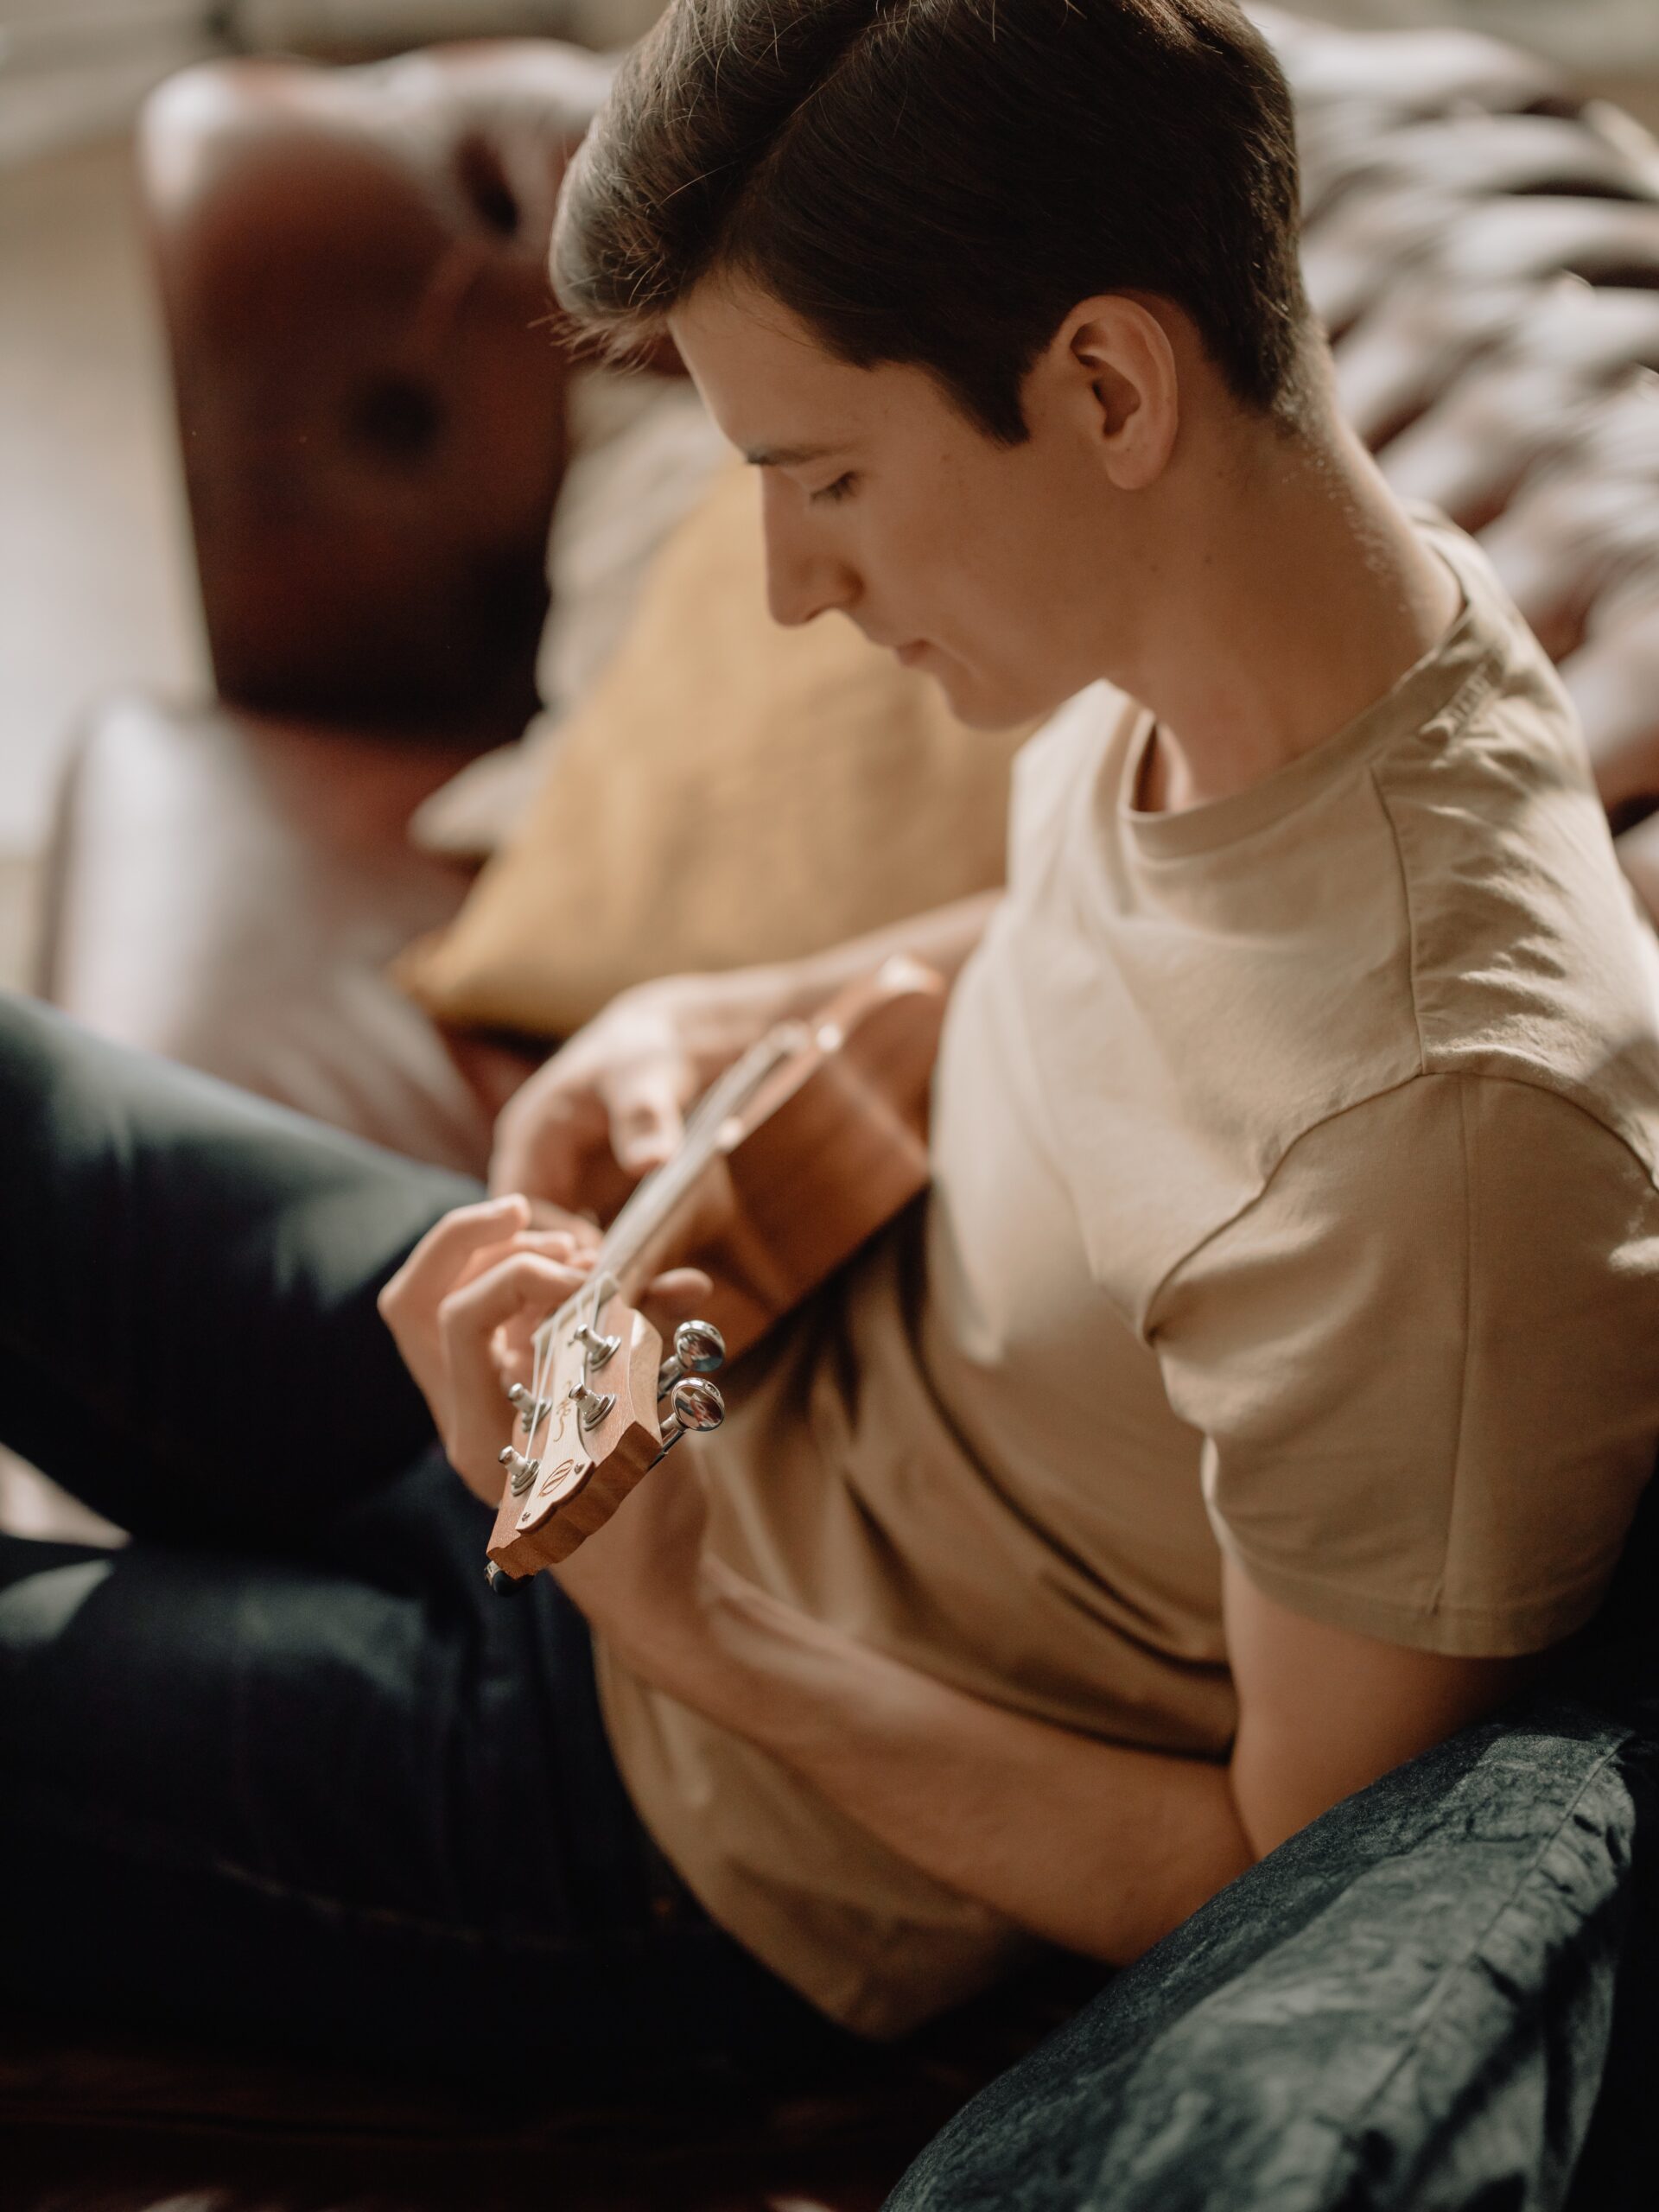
785	456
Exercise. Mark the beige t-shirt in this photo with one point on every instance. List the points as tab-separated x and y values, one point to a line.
1294	1196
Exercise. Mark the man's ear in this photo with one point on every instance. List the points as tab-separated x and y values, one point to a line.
1115	361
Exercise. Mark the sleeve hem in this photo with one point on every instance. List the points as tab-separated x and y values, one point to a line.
1460	1632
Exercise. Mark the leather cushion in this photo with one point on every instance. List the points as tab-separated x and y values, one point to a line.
228	892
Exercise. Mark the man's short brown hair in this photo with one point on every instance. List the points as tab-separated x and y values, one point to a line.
940	181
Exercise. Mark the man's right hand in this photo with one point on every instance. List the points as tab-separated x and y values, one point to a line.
610	1105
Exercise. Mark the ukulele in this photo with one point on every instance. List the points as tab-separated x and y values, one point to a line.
807	1145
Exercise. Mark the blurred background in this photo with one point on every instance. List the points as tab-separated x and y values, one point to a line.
1517	385
96	589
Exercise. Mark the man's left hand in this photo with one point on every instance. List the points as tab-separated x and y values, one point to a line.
464	1307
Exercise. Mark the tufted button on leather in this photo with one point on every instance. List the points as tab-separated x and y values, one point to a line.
397	417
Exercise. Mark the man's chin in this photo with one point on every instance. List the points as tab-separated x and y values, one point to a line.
980	705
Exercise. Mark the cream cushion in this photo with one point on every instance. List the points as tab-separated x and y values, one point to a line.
728	791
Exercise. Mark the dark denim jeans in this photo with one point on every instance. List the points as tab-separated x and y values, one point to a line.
283	1769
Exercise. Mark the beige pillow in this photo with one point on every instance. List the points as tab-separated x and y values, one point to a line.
728	792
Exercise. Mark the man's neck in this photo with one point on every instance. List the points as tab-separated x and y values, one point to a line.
1296	598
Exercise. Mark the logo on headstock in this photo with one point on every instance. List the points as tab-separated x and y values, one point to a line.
554	1477
563	1475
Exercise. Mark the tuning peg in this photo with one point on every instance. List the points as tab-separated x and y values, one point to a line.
699	1349
591	1405
521	1473
693	1403
597	1348
532	1411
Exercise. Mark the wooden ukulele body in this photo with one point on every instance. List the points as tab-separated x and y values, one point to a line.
830	1144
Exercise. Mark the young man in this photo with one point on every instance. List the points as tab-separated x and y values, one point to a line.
1267	1382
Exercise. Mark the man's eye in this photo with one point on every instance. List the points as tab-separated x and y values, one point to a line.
839	490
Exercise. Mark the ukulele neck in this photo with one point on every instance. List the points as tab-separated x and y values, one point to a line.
652	1210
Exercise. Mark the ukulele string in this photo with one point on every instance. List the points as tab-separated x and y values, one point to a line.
653	1201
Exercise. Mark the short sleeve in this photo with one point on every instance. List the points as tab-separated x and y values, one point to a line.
1426	1365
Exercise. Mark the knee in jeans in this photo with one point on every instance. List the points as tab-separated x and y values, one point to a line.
40	1050
38	1607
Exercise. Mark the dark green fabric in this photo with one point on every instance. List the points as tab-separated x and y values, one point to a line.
1407	2006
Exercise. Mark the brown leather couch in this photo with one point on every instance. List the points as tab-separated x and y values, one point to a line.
372	432
371	417
372	429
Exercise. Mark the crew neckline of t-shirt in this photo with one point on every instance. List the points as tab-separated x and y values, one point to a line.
1469	647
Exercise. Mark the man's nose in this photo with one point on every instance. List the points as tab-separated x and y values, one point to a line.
803	578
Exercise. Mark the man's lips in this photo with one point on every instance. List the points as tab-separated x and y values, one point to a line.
905	653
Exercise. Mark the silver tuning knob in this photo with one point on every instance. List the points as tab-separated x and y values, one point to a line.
532	1411
699	1349
521	1472
693	1403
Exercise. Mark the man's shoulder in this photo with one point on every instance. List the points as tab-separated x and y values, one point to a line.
1529	959
1476	1173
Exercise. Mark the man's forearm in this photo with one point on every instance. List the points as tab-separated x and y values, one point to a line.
1098	1847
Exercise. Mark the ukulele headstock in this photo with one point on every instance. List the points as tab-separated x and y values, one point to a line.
602	1408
